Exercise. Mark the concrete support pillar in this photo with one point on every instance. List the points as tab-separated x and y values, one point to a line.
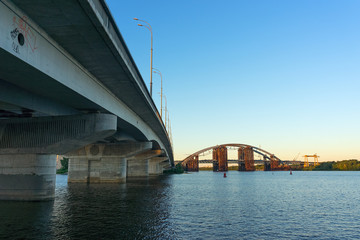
155	166
107	163
138	165
215	160
193	164
165	165
27	177
249	159
220	159
28	148
274	163
138	168
102	170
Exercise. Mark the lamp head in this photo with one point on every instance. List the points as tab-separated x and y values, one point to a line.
136	19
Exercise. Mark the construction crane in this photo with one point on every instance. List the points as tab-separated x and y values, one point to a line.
306	160
296	157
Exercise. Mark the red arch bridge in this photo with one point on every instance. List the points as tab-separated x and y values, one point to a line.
246	160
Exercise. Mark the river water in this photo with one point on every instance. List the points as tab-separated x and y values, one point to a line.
204	205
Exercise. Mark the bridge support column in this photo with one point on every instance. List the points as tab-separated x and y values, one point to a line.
28	148
215	160
103	163
27	177
101	170
220	160
274	164
138	165
155	166
165	165
193	164
249	159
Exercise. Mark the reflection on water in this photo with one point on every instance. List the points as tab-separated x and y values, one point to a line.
258	205
133	210
25	220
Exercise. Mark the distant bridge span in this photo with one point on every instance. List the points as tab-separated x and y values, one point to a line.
245	155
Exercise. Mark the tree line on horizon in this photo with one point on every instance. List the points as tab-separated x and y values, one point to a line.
344	165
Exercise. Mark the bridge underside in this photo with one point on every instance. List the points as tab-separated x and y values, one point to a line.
29	148
69	86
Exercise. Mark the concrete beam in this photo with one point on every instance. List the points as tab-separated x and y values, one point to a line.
147	155
159	159
54	135
10	93
117	150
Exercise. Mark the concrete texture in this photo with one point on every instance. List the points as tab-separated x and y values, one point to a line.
154	167
138	165
54	135
138	168
80	62
105	163
121	149
72	60
28	149
103	170
29	177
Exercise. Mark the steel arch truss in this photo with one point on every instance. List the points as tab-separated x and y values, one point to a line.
245	157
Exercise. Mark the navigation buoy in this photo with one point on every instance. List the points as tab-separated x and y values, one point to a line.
224	174
290	172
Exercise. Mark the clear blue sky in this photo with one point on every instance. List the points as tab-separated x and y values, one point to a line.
280	74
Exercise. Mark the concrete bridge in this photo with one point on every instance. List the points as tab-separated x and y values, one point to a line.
69	86
246	160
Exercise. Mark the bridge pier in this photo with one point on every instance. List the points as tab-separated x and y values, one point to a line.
193	164
100	170
103	163
138	165
249	159
274	164
220	158
155	166
28	148
27	176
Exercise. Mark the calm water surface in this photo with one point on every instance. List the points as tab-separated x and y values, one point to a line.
204	205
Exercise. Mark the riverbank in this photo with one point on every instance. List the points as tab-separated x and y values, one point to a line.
344	165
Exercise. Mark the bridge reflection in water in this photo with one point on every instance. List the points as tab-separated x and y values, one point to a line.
245	158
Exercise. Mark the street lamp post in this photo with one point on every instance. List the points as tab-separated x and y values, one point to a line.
158	72
165	110
148	26
168	122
